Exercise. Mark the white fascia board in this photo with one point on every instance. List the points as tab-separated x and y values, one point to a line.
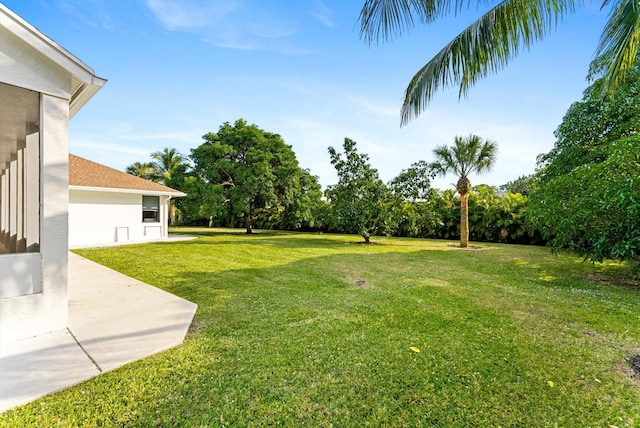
175	194
44	44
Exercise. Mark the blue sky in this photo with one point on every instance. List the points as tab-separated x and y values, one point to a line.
179	69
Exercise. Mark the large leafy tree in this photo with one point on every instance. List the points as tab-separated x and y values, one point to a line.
590	125
254	170
586	195
468	155
361	202
594	210
506	28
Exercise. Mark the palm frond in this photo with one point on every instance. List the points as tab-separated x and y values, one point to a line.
466	155
483	48
444	160
619	43
382	20
486	157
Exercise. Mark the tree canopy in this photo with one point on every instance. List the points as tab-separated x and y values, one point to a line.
590	125
505	29
253	170
586	195
414	183
360	201
594	210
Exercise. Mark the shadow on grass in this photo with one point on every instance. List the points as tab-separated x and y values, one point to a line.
301	343
228	232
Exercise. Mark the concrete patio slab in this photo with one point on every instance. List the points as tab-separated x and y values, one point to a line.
113	320
34	367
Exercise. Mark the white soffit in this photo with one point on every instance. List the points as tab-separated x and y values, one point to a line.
175	194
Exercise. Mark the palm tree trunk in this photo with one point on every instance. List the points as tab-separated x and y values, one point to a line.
464	220
172	213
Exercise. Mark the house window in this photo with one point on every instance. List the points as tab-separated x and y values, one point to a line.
151	209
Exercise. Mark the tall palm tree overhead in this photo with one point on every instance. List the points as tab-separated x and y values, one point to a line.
488	44
467	156
166	161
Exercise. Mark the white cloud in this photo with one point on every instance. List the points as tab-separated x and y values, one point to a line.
230	24
322	13
95	146
172	136
92	13
191	14
373	107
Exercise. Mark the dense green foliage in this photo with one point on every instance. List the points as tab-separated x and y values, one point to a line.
590	125
587	191
309	330
594	210
492	217
286	197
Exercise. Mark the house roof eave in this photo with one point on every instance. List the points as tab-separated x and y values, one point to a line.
85	83
175	194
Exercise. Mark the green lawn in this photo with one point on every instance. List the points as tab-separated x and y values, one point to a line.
312	330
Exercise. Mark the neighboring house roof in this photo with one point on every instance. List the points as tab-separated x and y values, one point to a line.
84	82
88	175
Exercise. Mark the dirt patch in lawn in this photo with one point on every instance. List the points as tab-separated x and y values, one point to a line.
634	363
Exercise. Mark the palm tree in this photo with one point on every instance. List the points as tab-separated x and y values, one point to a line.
166	161
466	156
146	170
488	44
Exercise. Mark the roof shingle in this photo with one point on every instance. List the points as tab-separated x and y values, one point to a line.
86	173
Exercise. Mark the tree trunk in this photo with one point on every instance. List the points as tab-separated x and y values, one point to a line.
366	237
247	222
172	213
464	220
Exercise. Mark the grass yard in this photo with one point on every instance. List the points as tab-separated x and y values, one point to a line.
311	330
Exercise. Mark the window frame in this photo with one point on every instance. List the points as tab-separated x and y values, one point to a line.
150	211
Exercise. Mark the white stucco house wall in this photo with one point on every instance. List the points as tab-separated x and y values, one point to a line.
42	86
109	206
